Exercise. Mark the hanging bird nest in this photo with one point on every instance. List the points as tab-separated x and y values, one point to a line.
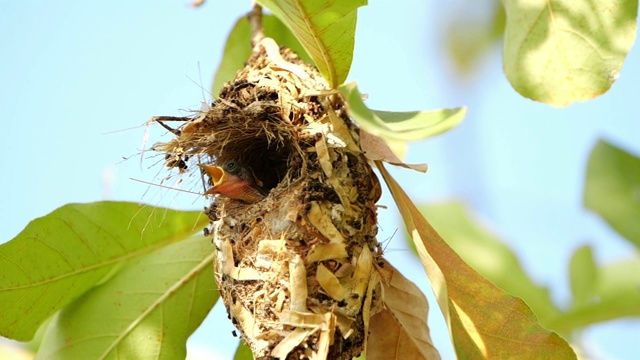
295	266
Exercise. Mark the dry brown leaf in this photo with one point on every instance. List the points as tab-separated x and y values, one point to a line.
323	156
359	281
298	277
341	131
375	148
486	322
330	283
273	51
400	331
301	319
326	337
321	252
323	223
290	341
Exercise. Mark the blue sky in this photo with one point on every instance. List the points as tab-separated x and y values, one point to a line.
79	79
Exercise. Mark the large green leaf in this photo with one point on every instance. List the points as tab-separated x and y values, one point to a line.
613	189
238	47
60	256
562	51
616	296
146	311
400	126
475	245
326	29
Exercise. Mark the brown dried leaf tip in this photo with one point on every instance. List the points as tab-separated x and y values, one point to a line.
295	260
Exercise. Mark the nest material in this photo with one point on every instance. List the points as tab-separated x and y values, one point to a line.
296	269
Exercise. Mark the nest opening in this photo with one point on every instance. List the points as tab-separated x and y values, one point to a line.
256	121
254	133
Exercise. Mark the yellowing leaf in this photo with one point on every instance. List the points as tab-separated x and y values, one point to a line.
403	126
486	322
400	331
599	293
562	51
326	29
475	244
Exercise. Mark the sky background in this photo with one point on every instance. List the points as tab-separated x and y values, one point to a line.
79	79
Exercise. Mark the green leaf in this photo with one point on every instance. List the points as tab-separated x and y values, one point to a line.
475	244
326	29
238	47
613	189
402	126
562	51
583	275
617	295
469	37
60	256
146	311
243	352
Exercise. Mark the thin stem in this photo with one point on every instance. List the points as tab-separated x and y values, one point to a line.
255	21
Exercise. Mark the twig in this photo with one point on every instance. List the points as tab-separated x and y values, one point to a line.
255	21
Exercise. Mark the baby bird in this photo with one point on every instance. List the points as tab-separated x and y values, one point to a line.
234	181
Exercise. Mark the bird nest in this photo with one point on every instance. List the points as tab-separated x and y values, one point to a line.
295	266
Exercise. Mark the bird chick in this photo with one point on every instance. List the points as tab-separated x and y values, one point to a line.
234	181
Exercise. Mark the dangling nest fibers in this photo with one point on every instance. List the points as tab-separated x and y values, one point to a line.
295	269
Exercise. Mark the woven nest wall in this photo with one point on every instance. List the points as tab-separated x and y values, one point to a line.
295	266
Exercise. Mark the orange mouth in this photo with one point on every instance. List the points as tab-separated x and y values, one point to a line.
231	185
217	174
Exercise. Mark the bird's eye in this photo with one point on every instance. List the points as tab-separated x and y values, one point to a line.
231	165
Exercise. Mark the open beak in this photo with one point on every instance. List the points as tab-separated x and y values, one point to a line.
218	176
231	185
